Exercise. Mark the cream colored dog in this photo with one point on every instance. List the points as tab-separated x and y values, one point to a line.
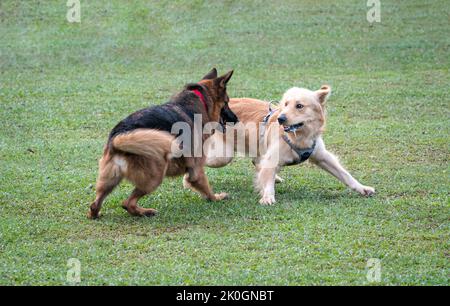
289	135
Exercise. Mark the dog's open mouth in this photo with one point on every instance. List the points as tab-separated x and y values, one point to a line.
293	128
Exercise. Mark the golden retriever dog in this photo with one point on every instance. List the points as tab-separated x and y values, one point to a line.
287	135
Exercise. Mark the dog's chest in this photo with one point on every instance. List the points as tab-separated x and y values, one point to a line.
292	159
297	155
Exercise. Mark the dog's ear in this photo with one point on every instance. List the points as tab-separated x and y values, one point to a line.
223	80
323	93
211	75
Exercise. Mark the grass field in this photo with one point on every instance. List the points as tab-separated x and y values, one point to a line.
63	87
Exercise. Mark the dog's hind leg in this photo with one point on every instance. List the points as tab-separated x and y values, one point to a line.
146	174
133	209
108	178
278	179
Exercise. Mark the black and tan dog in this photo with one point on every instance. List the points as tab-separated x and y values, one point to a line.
140	147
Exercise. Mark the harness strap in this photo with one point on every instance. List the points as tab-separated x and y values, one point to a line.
265	120
267	117
303	154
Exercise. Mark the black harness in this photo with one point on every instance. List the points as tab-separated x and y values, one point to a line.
303	154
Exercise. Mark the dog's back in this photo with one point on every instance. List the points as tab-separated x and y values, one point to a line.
160	117
249	110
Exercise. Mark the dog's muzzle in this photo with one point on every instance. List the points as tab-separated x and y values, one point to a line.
292	128
288	128
227	115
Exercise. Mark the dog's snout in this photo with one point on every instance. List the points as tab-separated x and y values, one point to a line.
227	115
282	119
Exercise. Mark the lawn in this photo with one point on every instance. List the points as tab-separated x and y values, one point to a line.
63	86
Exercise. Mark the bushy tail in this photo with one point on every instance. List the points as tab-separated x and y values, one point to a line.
145	142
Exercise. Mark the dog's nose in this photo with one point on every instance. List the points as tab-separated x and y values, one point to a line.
282	119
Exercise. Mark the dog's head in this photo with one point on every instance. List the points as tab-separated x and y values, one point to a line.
216	88
303	109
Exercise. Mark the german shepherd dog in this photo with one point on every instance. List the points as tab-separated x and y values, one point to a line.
293	131
139	148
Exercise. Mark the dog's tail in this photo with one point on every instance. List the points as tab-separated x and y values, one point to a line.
145	142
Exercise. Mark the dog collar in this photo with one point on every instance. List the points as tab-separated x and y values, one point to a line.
303	154
202	98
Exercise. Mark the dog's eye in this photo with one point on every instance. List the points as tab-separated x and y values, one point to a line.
299	106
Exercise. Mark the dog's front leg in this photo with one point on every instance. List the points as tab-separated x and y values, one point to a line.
256	162
330	163
265	180
197	180
266	184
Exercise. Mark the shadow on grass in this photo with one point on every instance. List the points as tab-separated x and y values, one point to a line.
191	210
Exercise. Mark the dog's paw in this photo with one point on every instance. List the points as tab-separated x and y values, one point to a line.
221	196
267	200
366	191
278	179
93	216
149	212
186	184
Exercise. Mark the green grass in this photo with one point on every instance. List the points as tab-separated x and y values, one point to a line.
64	86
